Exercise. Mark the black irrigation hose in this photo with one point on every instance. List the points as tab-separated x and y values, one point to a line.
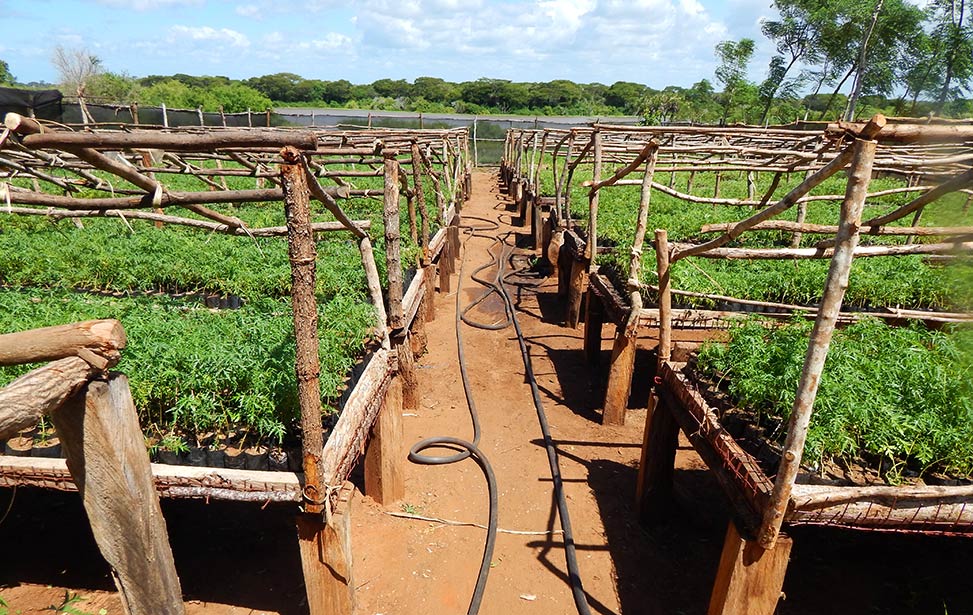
466	450
470	449
497	286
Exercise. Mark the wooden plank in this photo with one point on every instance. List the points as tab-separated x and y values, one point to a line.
326	558
737	472
384	475
347	439
407	372
749	579
105	449
593	323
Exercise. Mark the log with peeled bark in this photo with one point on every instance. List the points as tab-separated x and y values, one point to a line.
167	199
216	227
25	400
825	229
826	252
927	508
100	337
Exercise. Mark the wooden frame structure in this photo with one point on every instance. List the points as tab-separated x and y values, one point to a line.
120	168
755	553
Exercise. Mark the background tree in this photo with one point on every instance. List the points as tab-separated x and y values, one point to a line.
953	39
6	78
733	56
75	68
796	40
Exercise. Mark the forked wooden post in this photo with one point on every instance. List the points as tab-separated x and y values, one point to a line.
836	284
105	450
749	579
384	479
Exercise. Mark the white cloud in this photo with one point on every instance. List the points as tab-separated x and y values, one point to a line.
247	10
206	33
148	5
330	42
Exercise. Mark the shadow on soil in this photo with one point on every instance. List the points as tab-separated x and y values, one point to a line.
219	555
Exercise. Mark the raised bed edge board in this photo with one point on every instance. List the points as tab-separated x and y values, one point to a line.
925	509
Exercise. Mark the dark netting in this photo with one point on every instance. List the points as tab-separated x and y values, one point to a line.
43	104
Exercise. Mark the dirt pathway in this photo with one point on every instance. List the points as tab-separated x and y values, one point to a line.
242	559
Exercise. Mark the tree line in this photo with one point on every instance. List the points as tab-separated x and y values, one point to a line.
889	55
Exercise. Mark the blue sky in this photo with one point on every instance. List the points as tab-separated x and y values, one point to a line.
656	42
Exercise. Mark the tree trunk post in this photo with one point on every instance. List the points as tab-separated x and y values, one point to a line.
620	371
392	245
384	479
105	450
749	579
653	491
326	557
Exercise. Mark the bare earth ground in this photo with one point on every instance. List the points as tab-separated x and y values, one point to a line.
238	558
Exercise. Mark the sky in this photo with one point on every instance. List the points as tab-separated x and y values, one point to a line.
654	42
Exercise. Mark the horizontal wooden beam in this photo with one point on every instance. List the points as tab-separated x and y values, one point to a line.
185	141
170	481
105	337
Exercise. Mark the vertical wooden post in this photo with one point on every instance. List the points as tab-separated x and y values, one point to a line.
749	579
317	541
619	385
105	450
392	247
407	371
665	296
165	116
591	246
576	288
303	257
593	322
431	271
836	283
420	198
384	481
326	558
653	491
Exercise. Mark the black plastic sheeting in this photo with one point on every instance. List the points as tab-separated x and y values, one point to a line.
43	104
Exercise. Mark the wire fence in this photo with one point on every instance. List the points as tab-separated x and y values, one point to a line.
486	131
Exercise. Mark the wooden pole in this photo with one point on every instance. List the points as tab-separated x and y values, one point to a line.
303	256
420	199
653	491
105	449
836	283
619	385
665	296
392	244
326	558
591	246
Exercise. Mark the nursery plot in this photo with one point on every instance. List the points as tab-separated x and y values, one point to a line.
208	316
